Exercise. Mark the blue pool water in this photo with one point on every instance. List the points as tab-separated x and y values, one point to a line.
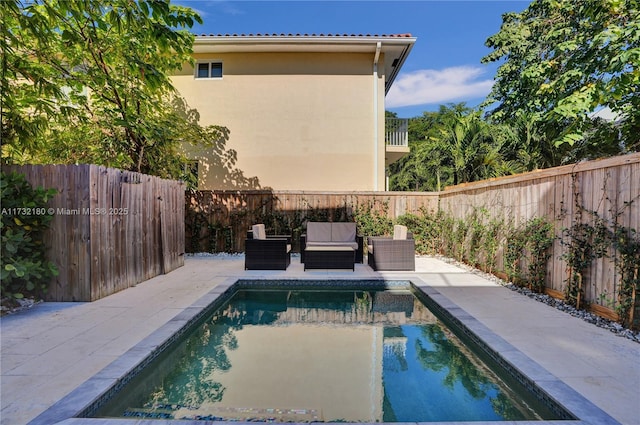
324	355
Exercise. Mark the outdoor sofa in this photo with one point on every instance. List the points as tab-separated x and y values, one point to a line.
397	253
264	252
328	234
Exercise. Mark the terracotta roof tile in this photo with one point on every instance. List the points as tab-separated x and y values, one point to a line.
406	35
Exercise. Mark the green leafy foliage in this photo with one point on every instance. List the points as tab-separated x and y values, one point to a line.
585	242
514	249
563	60
426	230
454	145
627	243
88	82
539	236
373	219
24	269
476	235
527	252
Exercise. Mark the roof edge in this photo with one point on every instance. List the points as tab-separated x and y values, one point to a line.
299	35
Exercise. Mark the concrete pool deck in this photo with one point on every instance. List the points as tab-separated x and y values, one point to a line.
49	350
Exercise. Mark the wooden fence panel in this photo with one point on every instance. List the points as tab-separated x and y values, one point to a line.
106	234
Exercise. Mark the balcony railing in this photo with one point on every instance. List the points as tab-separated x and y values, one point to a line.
396	132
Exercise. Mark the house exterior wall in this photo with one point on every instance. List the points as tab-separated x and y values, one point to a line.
298	121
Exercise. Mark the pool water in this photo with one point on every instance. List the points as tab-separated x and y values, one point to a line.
324	355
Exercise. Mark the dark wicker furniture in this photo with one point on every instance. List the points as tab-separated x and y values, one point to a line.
332	234
387	254
272	253
329	257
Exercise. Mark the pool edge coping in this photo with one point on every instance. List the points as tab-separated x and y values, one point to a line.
66	410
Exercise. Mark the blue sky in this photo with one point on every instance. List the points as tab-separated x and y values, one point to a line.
443	67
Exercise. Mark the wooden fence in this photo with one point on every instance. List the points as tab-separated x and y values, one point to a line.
219	220
111	229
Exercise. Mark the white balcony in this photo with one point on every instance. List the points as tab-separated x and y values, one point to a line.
396	139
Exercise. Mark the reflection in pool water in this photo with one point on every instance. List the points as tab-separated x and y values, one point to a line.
357	356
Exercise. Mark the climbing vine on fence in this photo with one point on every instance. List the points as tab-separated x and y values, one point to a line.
426	230
476	234
627	244
584	243
539	236
529	243
493	238
514	247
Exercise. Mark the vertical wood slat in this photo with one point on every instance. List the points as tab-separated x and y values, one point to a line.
97	248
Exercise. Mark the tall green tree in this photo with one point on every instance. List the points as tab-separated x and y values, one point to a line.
88	81
473	148
451	146
564	60
529	141
422	169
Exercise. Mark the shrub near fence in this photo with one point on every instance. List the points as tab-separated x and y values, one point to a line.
111	229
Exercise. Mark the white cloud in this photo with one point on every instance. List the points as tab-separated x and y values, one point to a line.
228	7
427	86
200	12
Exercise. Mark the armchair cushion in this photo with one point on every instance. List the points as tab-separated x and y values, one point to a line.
259	231
399	232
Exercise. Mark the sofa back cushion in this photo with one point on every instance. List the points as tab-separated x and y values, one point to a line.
343	232
319	232
258	231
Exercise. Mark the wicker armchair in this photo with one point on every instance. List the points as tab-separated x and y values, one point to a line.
262	252
392	254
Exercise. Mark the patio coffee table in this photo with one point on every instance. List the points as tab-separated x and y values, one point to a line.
329	257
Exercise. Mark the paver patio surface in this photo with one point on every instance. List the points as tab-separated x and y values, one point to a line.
51	349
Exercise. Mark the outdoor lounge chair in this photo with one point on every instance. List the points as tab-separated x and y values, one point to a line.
392	254
262	252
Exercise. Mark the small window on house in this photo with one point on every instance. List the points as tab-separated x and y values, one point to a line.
209	70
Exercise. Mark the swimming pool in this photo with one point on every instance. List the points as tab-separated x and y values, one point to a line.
403	338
